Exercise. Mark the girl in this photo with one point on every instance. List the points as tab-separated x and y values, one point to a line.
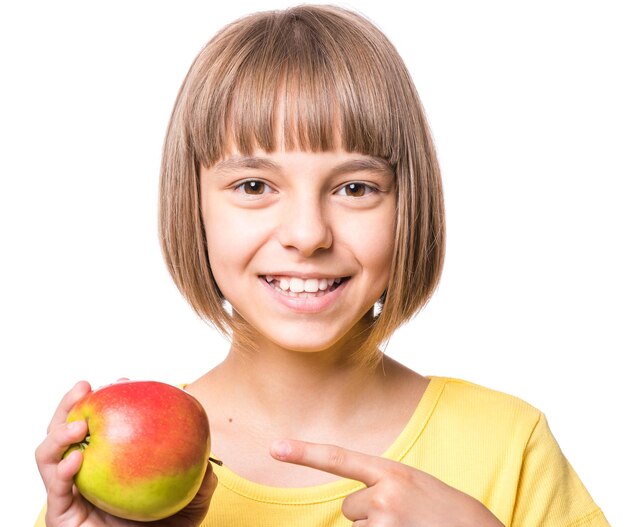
302	214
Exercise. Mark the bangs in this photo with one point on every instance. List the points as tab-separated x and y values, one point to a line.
289	80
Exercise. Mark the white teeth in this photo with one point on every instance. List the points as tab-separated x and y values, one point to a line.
300	286
311	285
296	285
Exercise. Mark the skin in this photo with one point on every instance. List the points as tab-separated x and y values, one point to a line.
303	218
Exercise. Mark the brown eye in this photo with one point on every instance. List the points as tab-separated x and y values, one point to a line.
253	187
356	190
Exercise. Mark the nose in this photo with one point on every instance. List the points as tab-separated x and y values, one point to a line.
305	226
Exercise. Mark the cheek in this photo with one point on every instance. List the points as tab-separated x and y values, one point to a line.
372	241
232	240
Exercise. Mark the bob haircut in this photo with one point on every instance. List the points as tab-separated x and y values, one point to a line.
341	84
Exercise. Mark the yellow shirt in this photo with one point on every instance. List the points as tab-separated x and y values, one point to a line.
490	445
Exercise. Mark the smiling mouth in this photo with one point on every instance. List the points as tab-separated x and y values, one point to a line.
304	288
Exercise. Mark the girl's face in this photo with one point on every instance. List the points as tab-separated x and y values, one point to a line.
300	243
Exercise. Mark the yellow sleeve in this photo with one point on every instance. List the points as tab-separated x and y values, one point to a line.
550	492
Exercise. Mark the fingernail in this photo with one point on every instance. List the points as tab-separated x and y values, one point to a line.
281	448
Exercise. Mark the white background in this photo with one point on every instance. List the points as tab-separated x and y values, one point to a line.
526	103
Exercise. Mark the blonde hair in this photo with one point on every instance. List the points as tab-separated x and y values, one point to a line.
342	84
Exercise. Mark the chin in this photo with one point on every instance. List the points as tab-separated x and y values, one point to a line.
306	336
300	346
312	340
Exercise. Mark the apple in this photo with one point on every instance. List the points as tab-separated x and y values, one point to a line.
146	451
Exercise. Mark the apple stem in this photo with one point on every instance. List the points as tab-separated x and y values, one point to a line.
84	443
216	461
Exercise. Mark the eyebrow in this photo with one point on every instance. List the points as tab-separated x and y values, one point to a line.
365	164
235	163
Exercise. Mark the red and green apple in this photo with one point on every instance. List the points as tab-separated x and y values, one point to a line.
146	451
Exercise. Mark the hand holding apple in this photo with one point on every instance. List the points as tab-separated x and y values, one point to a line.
58	468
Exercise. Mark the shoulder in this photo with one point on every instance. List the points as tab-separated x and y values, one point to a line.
499	448
466	404
462	391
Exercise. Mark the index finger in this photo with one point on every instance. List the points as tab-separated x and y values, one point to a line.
330	458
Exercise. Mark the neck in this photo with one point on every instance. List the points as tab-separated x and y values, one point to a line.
293	385
257	396
296	388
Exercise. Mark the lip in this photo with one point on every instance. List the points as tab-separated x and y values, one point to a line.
315	304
